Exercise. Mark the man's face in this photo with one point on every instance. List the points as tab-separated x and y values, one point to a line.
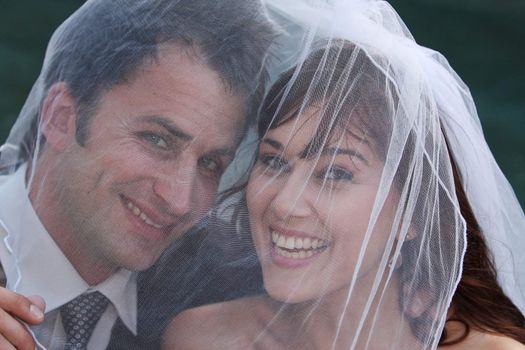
149	170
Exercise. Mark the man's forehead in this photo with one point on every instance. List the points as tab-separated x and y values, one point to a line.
179	80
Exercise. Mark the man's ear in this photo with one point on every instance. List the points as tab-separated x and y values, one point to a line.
58	117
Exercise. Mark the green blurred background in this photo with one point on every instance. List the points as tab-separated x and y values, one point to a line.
484	41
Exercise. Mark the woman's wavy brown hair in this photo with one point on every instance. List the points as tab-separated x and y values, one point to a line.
479	302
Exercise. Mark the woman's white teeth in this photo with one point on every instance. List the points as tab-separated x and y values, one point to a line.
138	213
304	247
301	254
290	243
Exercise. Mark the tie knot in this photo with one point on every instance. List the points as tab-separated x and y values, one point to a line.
80	316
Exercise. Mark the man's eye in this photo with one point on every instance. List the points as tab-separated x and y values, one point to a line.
155	139
335	173
211	165
273	162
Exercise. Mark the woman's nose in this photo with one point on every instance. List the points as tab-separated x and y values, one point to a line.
291	197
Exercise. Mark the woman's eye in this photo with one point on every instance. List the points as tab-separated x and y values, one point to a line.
155	139
335	173
273	162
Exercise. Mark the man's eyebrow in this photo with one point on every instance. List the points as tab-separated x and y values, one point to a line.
344	151
273	143
169	126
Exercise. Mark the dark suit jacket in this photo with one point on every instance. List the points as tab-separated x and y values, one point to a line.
211	264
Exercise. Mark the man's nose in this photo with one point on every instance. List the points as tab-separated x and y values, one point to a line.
176	189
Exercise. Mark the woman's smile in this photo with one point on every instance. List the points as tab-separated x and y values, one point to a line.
289	248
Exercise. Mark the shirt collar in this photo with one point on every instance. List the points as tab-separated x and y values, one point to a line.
38	266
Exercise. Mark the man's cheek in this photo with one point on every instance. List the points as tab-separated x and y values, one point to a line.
205	198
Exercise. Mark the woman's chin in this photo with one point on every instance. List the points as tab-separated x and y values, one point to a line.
288	292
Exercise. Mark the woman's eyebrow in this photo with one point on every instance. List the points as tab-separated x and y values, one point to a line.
273	143
344	151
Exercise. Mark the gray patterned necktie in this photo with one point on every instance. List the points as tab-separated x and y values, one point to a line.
79	318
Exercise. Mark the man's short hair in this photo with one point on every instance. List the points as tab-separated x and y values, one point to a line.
106	42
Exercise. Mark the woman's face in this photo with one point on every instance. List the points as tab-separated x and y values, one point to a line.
309	215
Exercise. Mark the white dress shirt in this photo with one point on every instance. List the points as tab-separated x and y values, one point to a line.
35	265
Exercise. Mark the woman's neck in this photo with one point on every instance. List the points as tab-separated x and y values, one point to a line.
316	324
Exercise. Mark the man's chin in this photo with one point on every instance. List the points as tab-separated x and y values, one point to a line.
138	260
140	254
139	267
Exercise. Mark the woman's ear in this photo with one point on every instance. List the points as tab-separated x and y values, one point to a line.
58	117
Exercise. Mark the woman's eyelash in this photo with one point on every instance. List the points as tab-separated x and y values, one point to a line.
331	173
273	161
336	173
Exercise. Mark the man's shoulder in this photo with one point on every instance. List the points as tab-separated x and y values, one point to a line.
200	269
222	325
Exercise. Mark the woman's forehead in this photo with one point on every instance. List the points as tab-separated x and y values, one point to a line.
299	132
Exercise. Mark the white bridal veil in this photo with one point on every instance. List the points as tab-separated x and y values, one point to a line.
424	81
351	93
341	210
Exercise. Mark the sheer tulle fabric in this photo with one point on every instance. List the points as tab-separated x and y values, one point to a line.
356	103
